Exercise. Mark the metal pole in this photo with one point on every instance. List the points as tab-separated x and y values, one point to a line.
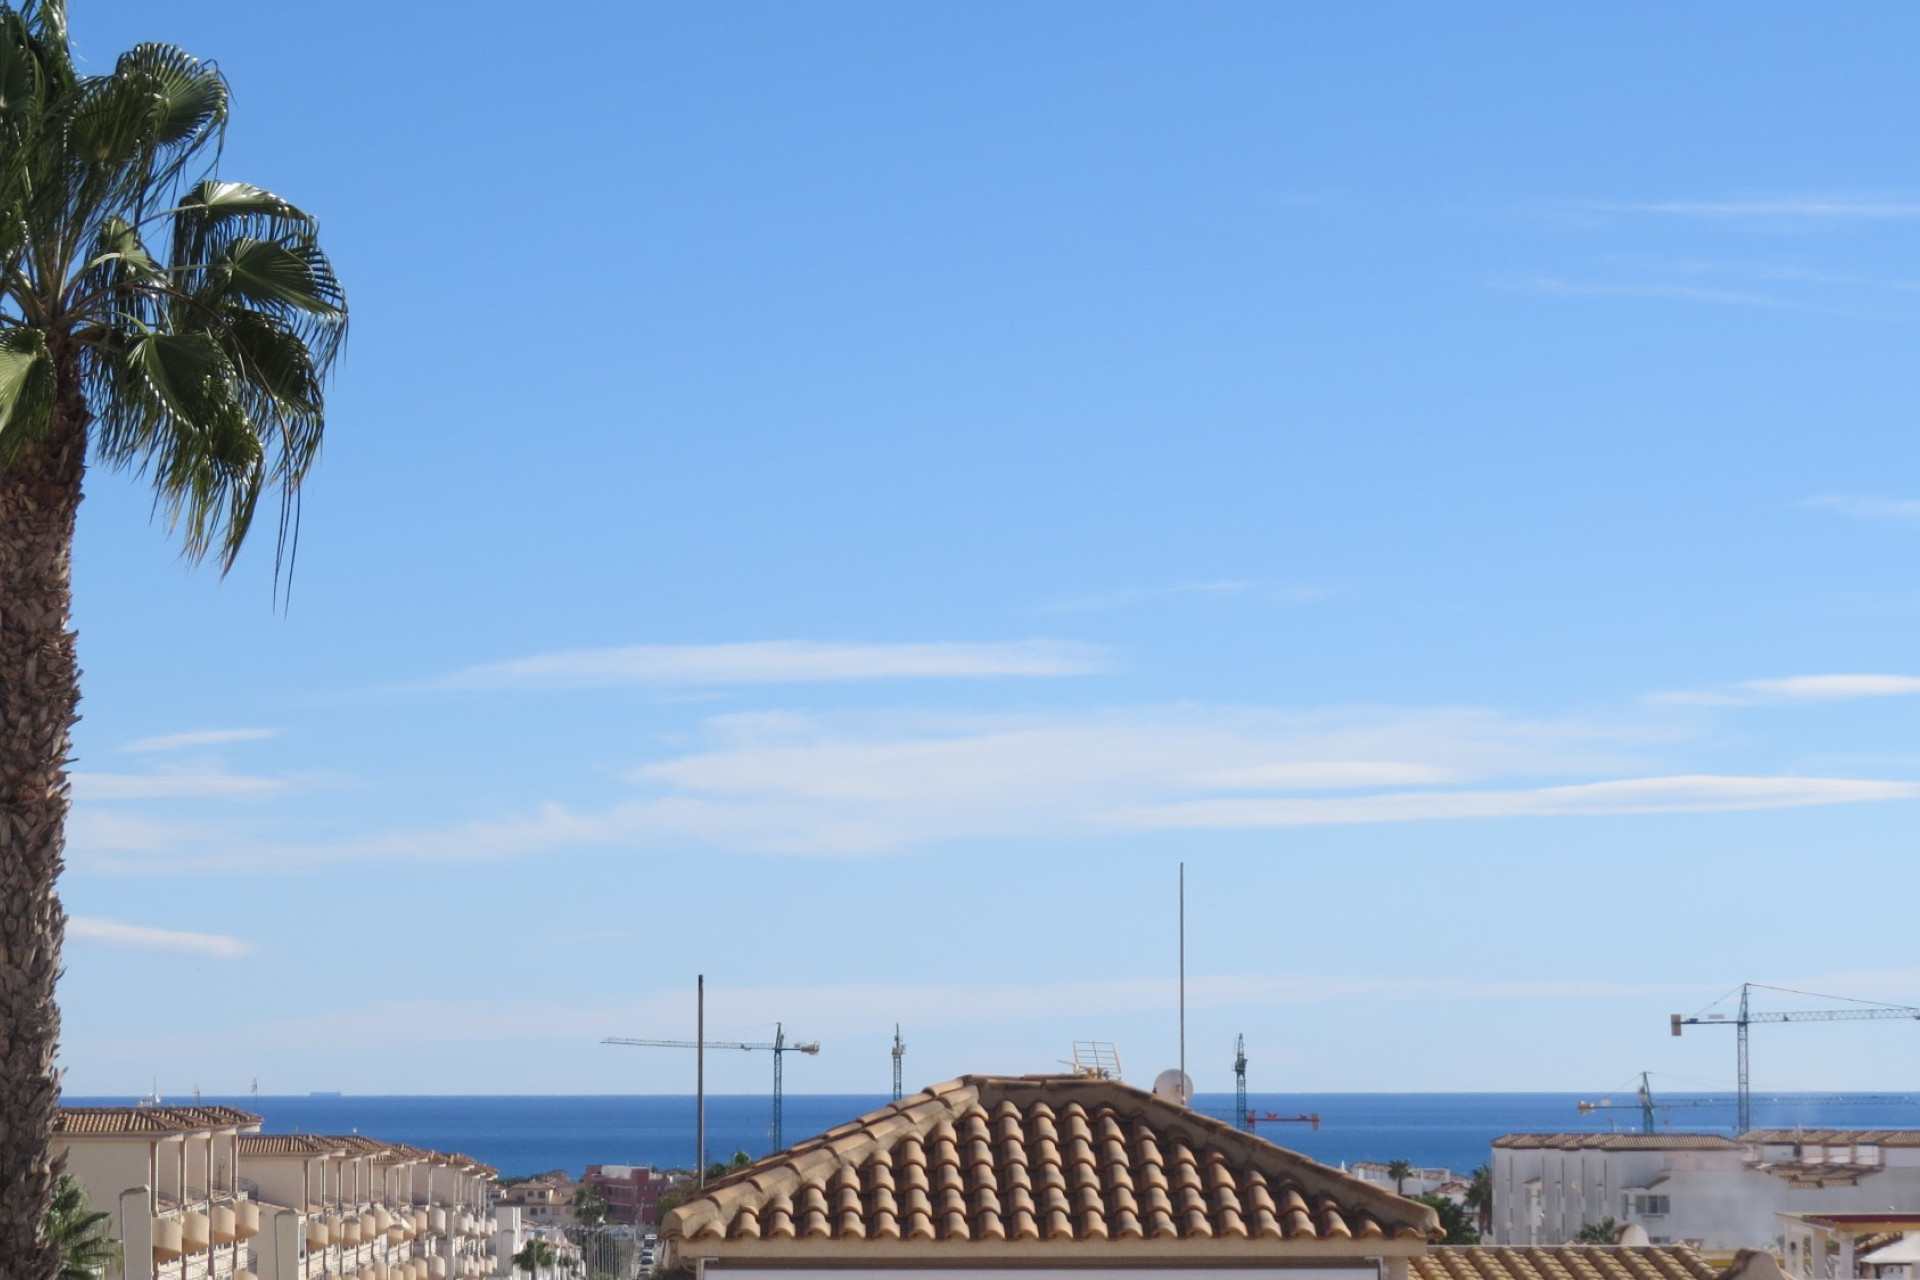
1183	978
700	1077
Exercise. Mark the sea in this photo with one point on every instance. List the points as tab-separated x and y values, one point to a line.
526	1135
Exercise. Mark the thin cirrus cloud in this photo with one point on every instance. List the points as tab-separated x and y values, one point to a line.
1900	512
1796	689
1683	794
1791	208
197	738
169	786
850	785
779	662
1124	597
140	937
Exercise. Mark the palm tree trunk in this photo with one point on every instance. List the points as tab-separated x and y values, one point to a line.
39	697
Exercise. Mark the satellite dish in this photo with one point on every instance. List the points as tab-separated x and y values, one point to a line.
1173	1085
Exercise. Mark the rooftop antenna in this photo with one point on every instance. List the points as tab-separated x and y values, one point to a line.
899	1051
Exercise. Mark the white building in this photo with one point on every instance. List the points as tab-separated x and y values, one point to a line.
1715	1193
198	1193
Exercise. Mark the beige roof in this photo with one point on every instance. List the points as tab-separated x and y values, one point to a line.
356	1144
288	1144
1568	1262
1616	1141
1838	1137
1050	1159
96	1121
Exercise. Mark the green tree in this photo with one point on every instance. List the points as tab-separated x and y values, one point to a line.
534	1257
590	1206
679	1194
1453	1219
1604	1231
160	322
79	1233
1479	1198
1400	1171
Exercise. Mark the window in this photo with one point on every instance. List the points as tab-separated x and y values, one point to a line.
1651	1206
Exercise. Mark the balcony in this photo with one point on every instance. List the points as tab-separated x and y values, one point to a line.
168	1240
246	1219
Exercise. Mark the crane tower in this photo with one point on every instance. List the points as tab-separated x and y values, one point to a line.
1864	1009
780	1047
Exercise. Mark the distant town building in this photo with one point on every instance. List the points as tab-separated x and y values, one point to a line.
545	1201
1714	1193
632	1192
1418	1182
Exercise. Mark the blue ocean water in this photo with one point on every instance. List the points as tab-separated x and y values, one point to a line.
522	1135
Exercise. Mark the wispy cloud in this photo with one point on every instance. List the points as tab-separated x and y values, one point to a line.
198	738
139	937
1795	689
1894	511
1696	794
168	786
854	785
1796	208
856	1008
779	662
1126	596
1675	292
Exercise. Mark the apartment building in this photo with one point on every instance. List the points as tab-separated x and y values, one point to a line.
198	1193
632	1192
1712	1192
545	1201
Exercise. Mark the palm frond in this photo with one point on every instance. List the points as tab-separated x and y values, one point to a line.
204	371
27	388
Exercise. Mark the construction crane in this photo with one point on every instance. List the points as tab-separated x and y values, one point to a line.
780	1047
1865	1009
1242	1118
1648	1106
899	1052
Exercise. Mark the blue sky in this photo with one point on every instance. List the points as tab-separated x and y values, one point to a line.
845	497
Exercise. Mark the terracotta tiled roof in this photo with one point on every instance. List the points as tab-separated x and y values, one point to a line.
1838	1137
95	1121
287	1144
358	1144
1041	1158
1568	1262
1617	1141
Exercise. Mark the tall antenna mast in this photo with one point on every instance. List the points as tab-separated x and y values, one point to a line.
700	1076
899	1052
1183	974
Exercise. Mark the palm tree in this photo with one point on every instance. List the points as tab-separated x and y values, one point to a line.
1400	1171
79	1233
1605	1231
171	325
533	1256
1479	1197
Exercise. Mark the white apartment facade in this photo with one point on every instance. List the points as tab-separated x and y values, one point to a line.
1712	1192
198	1193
